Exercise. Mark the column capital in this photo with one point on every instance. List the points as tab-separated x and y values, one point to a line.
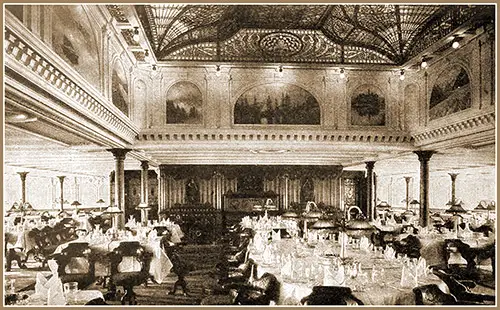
408	179
23	175
453	176
119	154
424	155
61	178
370	164
144	164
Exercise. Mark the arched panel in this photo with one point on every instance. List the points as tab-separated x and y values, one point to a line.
139	107
368	106
184	104
119	87
74	40
411	106
277	103
451	93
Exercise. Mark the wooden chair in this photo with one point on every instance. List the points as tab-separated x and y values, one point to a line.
431	295
331	295
76	263
123	259
261	291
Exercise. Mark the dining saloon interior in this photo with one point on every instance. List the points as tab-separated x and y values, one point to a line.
218	154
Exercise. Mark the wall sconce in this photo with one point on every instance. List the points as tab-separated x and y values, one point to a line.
146	55
217	70
280	71
342	73
153	67
402	75
135	36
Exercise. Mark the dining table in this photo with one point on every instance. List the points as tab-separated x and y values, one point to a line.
373	278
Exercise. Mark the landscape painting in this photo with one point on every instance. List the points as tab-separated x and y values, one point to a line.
73	39
451	93
277	103
367	106
184	104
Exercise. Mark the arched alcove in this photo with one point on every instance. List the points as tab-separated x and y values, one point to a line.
451	93
119	88
184	104
368	106
74	39
277	103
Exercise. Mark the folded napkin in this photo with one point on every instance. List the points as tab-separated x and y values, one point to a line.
55	293
286	270
365	245
389	253
421	268
334	277
40	285
276	235
409	277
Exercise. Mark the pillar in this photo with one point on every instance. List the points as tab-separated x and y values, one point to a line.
453	179
144	191
370	205
23	186
119	155
407	179
424	157
285	192
61	181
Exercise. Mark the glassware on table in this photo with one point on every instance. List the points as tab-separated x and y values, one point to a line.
70	291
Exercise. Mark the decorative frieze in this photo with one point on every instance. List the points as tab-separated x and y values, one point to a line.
277	136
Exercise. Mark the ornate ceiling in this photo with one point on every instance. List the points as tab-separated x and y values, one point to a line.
335	34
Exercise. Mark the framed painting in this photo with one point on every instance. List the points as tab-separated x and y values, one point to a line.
451	93
184	104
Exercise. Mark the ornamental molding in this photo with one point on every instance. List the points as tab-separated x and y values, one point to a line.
23	52
475	124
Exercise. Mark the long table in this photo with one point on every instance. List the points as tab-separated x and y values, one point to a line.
384	289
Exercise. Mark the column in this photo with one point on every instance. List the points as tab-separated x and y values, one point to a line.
144	192
407	179
119	155
370	205
61	180
161	190
23	186
453	179
285	192
424	157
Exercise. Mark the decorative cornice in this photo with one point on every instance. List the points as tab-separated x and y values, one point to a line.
475	123
267	135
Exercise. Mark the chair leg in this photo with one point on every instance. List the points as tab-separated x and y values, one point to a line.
129	296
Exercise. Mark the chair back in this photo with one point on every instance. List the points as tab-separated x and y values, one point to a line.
76	263
331	295
431	294
130	257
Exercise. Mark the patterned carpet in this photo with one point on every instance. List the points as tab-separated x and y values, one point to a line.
204	258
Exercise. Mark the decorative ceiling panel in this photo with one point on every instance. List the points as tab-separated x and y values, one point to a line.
386	34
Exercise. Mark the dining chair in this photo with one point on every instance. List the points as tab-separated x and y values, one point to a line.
260	291
431	295
462	290
130	264
331	295
76	263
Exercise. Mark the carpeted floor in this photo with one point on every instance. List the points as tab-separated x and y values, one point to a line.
203	257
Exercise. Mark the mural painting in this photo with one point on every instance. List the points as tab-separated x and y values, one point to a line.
73	39
184	103
277	103
450	94
119	88
367	107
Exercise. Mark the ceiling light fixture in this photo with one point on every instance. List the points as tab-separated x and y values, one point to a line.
424	63
217	70
154	67
342	73
135	36
455	42
280	71
402	74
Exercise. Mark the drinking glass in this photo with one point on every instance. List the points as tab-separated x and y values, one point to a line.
70	291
